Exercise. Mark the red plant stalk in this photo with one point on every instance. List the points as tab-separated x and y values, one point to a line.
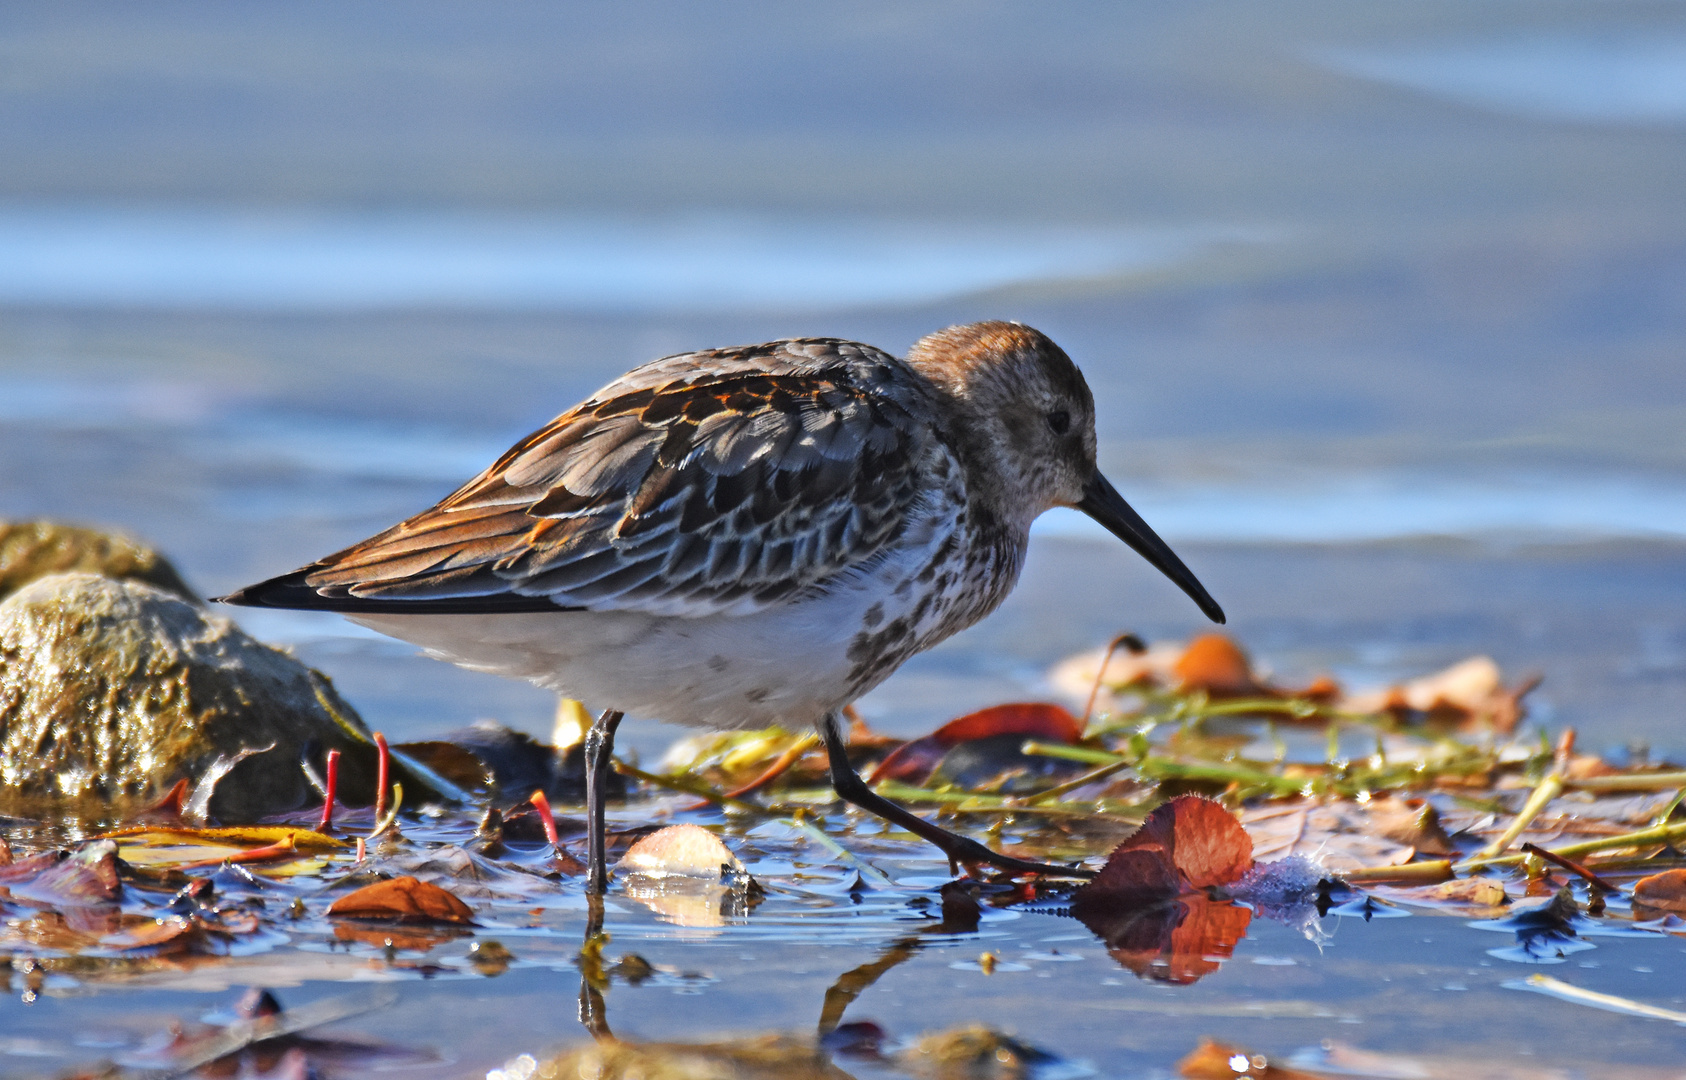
383	764
327	821
546	818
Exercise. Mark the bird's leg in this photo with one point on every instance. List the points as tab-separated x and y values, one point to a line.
599	750
851	788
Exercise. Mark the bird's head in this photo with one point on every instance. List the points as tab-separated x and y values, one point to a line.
1026	426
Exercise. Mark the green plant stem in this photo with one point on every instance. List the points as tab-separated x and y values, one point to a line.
689	787
1073	784
1656	834
1632	782
966	802
1086	755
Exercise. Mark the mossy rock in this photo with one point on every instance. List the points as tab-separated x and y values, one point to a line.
112	691
34	549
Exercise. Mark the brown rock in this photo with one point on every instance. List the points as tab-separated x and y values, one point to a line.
34	549
112	691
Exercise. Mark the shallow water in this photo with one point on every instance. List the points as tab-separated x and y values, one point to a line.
1427	987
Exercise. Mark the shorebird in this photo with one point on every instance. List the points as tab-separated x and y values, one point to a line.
747	536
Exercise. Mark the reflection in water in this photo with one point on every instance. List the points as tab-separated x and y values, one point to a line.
972	1051
1176	941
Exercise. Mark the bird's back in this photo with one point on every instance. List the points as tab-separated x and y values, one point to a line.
697	484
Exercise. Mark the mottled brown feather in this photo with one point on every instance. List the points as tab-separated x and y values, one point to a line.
724	480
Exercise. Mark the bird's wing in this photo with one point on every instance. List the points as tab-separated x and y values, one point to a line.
703	493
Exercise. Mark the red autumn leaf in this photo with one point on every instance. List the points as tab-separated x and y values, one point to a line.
1133	876
1189	842
1215	664
1033	720
405	898
1175	941
1665	891
913	761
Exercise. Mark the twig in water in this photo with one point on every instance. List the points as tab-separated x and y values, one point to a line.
333	784
1127	640
546	819
392	815
383	764
1570	865
689	787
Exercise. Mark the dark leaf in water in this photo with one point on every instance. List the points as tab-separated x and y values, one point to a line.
403	898
863	1038
998	763
1662	892
521	824
456	763
1175	941
255	1003
83	878
961	908
913	762
1546	930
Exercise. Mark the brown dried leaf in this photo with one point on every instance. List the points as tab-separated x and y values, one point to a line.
1215	663
1187	843
405	898
84	877
1664	892
151	933
913	761
1473	890
1413	822
1338	836
1470	693
1213	1060
1132	876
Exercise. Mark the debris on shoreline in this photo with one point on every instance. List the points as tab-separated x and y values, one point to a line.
183	796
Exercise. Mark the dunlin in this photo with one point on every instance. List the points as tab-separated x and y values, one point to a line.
747	536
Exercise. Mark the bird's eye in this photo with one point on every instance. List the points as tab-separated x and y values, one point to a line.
1060	421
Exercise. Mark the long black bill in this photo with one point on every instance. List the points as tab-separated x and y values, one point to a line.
1102	502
